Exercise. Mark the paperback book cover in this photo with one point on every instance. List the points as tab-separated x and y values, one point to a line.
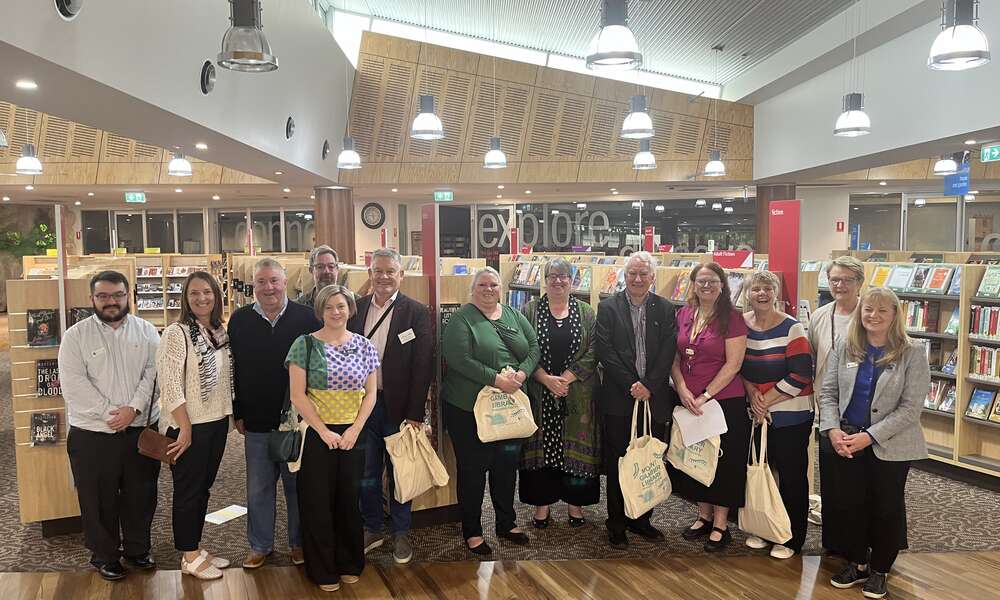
937	282
881	275
980	403
995	413
919	279
44	428
931	401
949	365
76	314
900	278
47	377
953	322
955	287
948	404
989	287
43	327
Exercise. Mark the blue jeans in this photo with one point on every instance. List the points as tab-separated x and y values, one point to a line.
376	428
262	478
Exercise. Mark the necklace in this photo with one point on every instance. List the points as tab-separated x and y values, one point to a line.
700	323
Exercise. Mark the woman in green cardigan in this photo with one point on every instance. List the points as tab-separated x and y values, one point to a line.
561	460
481	339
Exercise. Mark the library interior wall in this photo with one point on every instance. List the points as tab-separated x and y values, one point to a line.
820	211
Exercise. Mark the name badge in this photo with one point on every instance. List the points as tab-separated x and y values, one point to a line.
689	351
407	336
97	353
852	365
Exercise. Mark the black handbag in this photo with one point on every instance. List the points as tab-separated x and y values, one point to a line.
284	445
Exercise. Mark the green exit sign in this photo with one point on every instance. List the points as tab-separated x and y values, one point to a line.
135	197
989	153
443	196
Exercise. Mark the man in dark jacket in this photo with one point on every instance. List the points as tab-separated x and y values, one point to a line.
260	335
636	342
400	328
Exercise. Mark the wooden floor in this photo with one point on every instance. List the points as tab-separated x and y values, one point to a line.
951	576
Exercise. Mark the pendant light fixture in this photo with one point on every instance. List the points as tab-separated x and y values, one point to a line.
28	164
853	120
495	158
426	125
700	203
348	157
716	206
961	44
637	124
715	167
179	166
614	47
949	164
728	210
644	159
3	139
244	46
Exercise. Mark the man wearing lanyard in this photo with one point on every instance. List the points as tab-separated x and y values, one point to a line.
107	367
400	329
260	335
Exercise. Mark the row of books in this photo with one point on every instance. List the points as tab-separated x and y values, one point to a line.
683	286
42	327
518	298
941	396
983	405
984	361
985	321
171	272
923	279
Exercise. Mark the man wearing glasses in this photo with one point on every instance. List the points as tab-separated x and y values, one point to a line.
400	328
324	267
108	372
636	342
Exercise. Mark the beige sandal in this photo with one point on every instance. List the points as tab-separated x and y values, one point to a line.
217	561
191	568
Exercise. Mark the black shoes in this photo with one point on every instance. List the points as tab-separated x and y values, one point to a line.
112	571
577	521
693	534
542	523
617	539
480	550
519	538
876	586
645	530
142	562
850	577
718	545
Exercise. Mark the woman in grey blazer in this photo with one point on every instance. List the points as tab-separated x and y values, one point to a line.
870	402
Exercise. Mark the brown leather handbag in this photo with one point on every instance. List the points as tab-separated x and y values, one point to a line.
152	443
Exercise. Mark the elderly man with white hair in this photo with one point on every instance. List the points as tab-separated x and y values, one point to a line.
636	342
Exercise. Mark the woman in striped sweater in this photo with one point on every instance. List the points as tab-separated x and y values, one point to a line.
777	374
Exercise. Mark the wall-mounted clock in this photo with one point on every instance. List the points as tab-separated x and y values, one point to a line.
373	215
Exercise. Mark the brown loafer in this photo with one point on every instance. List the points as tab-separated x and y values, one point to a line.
298	557
352	579
254	560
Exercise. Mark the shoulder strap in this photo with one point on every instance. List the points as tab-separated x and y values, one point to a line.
385	314
496	328
149	408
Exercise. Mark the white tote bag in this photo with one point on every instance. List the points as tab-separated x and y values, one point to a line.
763	513
641	472
699	461
503	416
416	468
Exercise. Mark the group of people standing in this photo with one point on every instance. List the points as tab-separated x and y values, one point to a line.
357	370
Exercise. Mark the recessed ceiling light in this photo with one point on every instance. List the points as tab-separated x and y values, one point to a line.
970	142
215	197
178	190
527	192
286	190
201	146
499	196
6	198
500	187
882	183
614	189
26	84
581	205
856	208
77	203
279	172
614	192
29	187
312	196
91	194
974	192
394	190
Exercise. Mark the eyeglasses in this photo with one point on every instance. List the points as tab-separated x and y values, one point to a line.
638	274
117	297
557	277
842	280
380	273
707	283
326	267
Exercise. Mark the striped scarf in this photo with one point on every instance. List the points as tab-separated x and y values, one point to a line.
206	343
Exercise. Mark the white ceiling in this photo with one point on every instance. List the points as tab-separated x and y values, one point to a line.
675	36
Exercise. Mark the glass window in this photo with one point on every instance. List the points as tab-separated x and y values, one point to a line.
877	218
96	231
300	230
610	227
932	225
160	231
129	228
233	231
267	230
730	222
493	233
191	233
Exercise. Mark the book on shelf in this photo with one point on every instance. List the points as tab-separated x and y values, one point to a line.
823	280
950	363
919	278
953	322
995	413
75	314
932	348
518	298
938	280
900	278
736	287
877	257
948	401
44	428
955	286
980	403
586	275
460	269
681	288
921	315
983	361
47	377
43	327
881	275
935	394
989	287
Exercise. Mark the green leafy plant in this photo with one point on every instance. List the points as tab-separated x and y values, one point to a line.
36	241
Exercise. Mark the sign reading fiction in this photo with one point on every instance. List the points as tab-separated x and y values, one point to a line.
562	230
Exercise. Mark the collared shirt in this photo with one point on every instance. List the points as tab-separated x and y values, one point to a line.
639	327
858	411
260	311
381	335
102	368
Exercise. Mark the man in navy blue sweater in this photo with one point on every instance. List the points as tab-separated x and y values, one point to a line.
260	335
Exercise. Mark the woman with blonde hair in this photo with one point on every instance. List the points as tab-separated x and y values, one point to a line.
870	403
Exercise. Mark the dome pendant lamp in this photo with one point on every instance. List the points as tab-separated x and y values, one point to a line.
426	125
715	167
853	121
348	157
961	44
637	124
644	159
179	166
244	46
614	47
949	164
28	164
495	158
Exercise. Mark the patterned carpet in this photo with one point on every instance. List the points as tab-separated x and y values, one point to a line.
944	516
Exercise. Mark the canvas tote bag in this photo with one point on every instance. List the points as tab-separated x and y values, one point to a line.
763	513
416	468
503	416
699	461
641	472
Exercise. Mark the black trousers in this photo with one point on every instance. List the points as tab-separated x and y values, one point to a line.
194	473
474	460
788	455
542	487
864	498
116	487
617	431
328	483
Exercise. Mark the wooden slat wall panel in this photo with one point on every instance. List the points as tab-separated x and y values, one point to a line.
512	101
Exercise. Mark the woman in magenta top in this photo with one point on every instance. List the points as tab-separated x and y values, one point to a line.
711	341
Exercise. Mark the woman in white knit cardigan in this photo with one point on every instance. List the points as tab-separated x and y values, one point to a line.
195	372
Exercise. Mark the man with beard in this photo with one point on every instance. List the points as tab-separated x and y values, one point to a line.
107	366
260	335
323	266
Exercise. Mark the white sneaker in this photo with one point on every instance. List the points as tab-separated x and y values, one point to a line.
815	517
756	543
781	552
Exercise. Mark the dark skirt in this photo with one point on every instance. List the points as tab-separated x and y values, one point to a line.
729	487
541	487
